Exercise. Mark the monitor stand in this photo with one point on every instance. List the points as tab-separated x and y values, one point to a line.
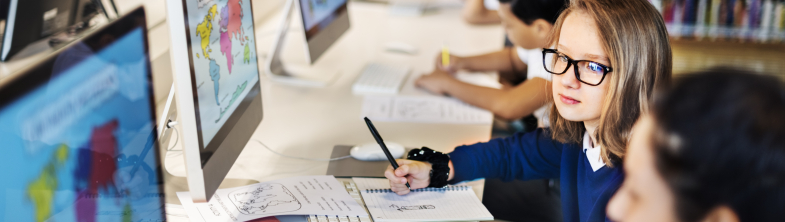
174	184
275	67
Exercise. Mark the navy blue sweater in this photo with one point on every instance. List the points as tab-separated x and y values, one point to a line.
584	192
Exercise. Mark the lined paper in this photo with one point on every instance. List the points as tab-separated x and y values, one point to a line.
451	204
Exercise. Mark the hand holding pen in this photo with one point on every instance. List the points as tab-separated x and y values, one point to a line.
416	173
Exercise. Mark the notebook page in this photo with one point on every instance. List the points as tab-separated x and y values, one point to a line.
371	183
452	204
425	109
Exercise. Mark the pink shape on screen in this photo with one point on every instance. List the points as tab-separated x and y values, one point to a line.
226	49
104	165
235	26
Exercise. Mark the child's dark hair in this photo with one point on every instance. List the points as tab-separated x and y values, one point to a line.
530	10
720	141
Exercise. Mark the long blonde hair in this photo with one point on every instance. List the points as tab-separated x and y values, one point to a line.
634	37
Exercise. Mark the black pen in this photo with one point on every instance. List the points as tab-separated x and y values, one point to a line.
384	147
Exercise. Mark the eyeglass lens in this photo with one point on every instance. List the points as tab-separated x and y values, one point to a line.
589	72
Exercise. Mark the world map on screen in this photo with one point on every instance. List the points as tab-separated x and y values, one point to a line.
224	59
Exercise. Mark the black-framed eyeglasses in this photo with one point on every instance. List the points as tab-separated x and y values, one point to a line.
588	72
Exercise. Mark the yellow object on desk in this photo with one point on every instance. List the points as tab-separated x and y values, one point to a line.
445	56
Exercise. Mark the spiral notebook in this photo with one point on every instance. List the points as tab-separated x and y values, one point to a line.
452	203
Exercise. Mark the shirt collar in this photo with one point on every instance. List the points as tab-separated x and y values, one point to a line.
587	142
592	153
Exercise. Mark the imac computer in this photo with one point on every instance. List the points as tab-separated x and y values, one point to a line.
78	132
51	22
323	22
217	88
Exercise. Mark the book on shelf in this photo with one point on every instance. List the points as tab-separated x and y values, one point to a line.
744	20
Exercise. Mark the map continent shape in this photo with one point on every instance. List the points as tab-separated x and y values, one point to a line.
41	190
205	29
235	95
234	27
97	168
226	49
231	27
247	54
215	75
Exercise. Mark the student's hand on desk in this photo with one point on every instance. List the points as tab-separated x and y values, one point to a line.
416	173
456	63
435	81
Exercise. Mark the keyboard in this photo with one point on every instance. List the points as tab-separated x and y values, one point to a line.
351	188
380	79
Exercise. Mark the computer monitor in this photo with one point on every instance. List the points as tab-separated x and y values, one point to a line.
31	21
216	76
323	22
78	132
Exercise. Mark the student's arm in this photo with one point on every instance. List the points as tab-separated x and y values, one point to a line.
520	101
474	12
522	156
505	60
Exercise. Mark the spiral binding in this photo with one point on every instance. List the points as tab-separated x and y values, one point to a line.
427	189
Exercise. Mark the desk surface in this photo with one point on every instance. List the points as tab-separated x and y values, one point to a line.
308	122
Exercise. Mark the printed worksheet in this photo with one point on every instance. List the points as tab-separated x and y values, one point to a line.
306	195
431	109
451	203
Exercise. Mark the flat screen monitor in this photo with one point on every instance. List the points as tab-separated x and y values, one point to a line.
217	85
29	21
324	22
78	132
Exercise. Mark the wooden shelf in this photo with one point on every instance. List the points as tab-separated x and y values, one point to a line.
693	55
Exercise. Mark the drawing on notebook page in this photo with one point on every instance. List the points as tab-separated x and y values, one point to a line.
417	207
264	199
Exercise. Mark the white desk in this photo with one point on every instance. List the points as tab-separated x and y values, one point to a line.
308	122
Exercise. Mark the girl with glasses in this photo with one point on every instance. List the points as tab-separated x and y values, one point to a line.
606	57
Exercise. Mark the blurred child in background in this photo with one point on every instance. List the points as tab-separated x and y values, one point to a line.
712	149
481	12
528	24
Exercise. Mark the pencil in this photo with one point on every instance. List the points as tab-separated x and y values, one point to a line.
445	56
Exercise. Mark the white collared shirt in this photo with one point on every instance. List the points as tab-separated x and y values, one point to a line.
535	69
592	153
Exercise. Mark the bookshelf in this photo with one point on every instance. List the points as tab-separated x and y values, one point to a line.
746	21
692	55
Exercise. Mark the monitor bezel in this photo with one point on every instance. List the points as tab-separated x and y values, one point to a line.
34	76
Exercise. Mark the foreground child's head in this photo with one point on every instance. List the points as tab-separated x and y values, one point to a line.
528	23
712	149
621	51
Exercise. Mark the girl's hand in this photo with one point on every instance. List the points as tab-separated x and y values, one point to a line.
456	63
416	173
435	82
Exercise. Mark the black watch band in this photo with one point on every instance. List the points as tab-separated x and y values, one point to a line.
440	169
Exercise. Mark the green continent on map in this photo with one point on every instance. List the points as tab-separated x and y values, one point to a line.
41	190
128	213
204	29
236	94
247	54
